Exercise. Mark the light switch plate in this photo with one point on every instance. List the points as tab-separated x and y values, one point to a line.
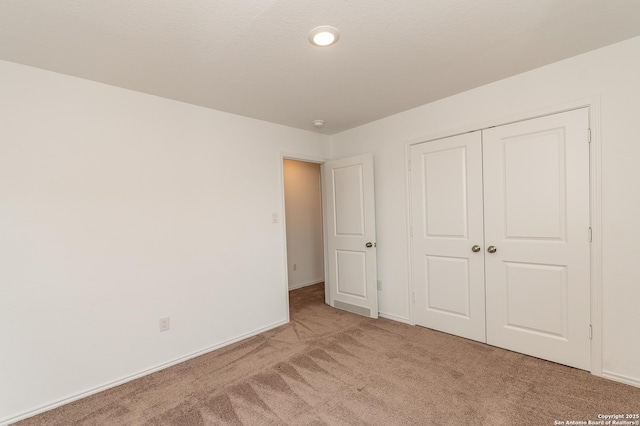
165	324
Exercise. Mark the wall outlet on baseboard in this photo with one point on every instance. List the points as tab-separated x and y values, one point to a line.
379	284
165	324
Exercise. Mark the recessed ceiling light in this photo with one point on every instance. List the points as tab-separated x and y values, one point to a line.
323	36
318	123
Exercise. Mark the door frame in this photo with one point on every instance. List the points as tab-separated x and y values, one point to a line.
283	226
595	204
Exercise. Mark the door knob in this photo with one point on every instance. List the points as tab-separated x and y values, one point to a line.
369	245
492	249
475	248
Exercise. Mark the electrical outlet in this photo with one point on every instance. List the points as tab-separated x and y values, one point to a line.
165	324
274	218
379	284
295	266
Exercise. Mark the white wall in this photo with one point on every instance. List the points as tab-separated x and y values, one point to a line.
303	208
613	74
117	208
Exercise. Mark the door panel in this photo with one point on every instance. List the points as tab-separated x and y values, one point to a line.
534	184
536	194
350	225
446	209
351	273
446	205
447	285
528	287
348	200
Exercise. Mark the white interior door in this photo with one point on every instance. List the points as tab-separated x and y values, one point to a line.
536	197
351	234
447	235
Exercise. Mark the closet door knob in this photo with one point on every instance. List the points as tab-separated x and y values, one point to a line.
492	249
369	245
475	248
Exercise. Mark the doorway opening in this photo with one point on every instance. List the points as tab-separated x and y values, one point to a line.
304	229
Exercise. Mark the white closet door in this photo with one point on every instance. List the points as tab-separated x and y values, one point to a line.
536	198
446	198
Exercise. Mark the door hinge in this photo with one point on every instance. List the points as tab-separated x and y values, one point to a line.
409	165
411	231
413	297
590	332
590	234
588	135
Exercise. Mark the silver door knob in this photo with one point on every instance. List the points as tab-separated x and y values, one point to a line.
369	245
475	248
492	249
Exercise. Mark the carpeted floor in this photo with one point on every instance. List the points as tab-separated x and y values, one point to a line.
335	368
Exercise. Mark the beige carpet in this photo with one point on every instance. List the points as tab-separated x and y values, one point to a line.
336	368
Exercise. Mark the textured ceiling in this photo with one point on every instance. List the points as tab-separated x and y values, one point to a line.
252	57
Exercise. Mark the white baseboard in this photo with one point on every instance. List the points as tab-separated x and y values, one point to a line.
8	420
307	284
394	318
621	378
